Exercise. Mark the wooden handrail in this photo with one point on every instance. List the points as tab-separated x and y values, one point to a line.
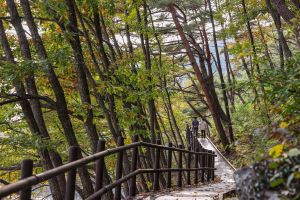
145	144
25	183
44	176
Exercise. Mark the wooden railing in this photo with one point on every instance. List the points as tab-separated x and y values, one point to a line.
203	161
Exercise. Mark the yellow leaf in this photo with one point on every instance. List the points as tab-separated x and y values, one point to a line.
276	151
283	125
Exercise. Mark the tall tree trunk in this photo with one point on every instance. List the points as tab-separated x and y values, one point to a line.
264	43
110	113
164	83
251	38
246	68
277	22
83	87
230	75
209	79
283	10
200	78
288	15
219	67
51	74
151	104
146	52
99	97
28	111
250	34
106	64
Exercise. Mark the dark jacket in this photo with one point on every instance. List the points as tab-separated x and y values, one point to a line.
195	123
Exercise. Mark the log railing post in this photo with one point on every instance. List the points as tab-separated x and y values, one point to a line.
206	164
213	165
191	138
135	153
169	166
71	177
194	140
26	171
209	161
188	166
179	183
196	166
202	164
100	166
119	166
156	167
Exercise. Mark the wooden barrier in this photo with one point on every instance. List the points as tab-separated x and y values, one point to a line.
203	164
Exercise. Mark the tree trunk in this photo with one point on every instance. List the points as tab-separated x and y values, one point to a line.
27	110
283	10
200	78
264	43
282	41
209	79
219	67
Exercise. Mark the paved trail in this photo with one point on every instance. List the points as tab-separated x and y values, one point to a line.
210	191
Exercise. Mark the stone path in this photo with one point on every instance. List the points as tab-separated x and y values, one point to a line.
224	173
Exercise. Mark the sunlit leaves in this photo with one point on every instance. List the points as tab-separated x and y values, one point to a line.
276	151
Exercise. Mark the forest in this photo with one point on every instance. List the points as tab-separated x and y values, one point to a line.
73	72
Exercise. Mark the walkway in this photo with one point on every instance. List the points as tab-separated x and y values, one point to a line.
224	183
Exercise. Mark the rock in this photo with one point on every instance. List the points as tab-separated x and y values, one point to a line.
248	186
244	179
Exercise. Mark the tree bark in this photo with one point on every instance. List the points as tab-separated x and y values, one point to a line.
200	78
28	112
277	22
219	67
264	43
283	10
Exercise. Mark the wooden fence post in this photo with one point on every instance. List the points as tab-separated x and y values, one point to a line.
169	166
26	171
213	165
156	167
196	166
194	140
100	167
71	177
135	153
202	164
188	166
209	160
179	184
207	165
119	166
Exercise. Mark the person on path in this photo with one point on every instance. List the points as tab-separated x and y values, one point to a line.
204	128
195	125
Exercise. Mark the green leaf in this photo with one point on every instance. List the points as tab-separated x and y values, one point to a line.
277	182
273	165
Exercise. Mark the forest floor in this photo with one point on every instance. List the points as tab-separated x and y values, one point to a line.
223	183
